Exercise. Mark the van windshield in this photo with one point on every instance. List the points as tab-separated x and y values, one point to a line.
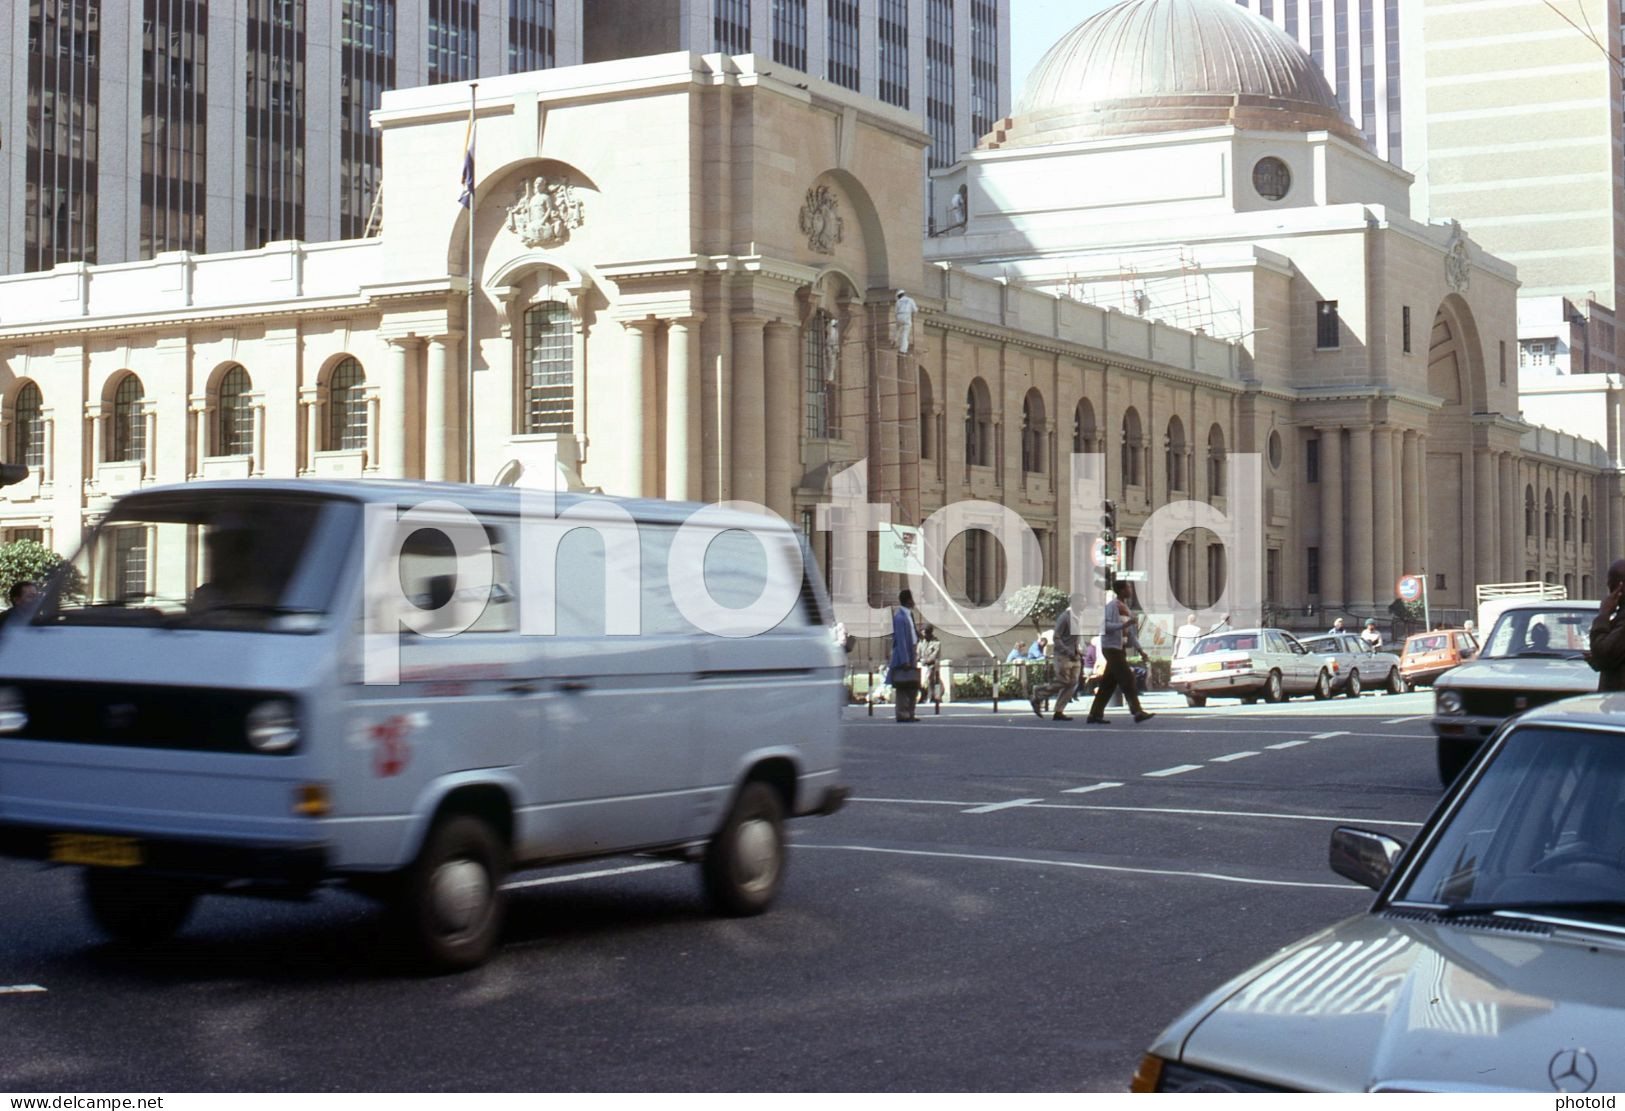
226	560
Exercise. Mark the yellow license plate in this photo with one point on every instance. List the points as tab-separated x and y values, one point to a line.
95	850
1214	666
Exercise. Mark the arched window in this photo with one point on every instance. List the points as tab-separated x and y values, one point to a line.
928	431
978	425
1585	524
1215	462
1550	532
1085	436
549	368
234	428
28	427
1174	447
1568	519
1133	448
1032	433
347	407
1529	525
128	442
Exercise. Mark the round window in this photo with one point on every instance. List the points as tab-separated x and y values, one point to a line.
1275	450
1271	178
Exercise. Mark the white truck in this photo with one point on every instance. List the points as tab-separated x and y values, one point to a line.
1495	598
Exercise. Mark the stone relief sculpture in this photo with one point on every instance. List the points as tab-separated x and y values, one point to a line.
821	219
544	211
1457	267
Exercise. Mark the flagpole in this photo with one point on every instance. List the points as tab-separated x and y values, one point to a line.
468	316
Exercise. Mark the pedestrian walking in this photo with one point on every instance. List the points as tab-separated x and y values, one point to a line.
930	665
1607	655
1186	636
1067	666
1119	630
1371	634
904	671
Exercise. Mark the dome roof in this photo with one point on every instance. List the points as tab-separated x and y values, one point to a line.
1171	65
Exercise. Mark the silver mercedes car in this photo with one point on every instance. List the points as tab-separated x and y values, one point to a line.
1493	959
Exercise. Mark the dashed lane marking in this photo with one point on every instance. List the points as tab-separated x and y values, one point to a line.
545	881
992	806
1179	769
1092	787
1343	819
1081	865
1233	756
20	989
1329	736
1402	721
1286	744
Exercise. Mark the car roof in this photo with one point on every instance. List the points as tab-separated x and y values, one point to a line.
1242	632
1605	711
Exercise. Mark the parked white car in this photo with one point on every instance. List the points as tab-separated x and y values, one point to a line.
1356	666
1250	664
1535	654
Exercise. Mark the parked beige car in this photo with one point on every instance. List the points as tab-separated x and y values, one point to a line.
1250	664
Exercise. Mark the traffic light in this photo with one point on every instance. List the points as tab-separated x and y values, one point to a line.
1108	539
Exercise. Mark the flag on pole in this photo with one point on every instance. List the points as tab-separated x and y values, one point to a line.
466	199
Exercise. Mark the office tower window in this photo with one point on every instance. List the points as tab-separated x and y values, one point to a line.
1289	11
59	193
731	26
893	49
1317	34
369	69
1267	8
174	125
347	408
454	40
550	368
1368	72
939	81
1392	22
843	43
790	33
532	35
984	66
1340	39
1327	333
28	427
274	152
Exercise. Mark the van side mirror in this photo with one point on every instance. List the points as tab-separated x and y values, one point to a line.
441	588
1364	857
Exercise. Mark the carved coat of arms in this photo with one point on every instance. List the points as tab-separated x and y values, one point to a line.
1457	267
544	211
821	219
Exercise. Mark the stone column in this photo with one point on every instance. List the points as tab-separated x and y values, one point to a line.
749	409
1332	591
310	411
98	431
1359	549
437	430
1411	482
1511	518
1422	538
395	407
200	428
374	419
1484	483
683	459
1385	510
259	438
49	475
639	397
783	401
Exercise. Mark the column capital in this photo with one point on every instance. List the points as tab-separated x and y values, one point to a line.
447	337
639	324
687	320
748	320
402	343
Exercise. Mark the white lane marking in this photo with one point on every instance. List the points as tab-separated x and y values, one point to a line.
917	802
20	989
992	806
1359	820
1286	744
1233	756
546	880
1092	787
1180	769
1329	736
1220	876
1402	721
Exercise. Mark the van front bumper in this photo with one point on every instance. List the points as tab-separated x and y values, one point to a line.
300	865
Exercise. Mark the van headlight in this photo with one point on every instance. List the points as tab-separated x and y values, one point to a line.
13	710
1447	702
273	726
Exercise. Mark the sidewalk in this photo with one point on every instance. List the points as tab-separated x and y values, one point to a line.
1152	700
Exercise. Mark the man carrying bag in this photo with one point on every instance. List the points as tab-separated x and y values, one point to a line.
904	670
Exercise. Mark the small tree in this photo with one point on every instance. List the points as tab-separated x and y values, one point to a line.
1039	604
23	561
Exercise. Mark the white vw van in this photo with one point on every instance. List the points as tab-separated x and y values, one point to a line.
268	686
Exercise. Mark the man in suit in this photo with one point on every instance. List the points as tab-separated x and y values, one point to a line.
1117	633
904	670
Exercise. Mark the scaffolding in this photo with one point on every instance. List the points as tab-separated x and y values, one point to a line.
1170	286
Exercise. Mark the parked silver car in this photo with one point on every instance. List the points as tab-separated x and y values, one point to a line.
1493	959
1250	664
1356	666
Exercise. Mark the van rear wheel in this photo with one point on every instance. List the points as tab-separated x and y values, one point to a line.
451	901
136	908
744	863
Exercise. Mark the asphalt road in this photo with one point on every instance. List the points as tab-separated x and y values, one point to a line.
1008	904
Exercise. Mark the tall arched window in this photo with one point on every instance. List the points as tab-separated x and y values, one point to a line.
1529	523
234	416
1085	436
1174	445
1032	433
28	427
978	425
1133	448
347	407
128	442
1585	522
928	432
549	368
1550	532
1568	518
1215	462
821	371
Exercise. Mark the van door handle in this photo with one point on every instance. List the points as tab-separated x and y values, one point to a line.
520	688
574	686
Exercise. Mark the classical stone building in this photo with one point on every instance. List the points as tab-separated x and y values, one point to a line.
685	271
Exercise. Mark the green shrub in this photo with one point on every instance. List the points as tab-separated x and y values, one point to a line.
972	687
24	561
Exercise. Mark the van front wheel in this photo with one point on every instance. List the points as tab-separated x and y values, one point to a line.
452	900
744	862
137	909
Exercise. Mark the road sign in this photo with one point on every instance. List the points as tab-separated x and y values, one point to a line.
1409	588
1131	576
902	551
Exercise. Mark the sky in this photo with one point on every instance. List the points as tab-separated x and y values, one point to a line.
1034	27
